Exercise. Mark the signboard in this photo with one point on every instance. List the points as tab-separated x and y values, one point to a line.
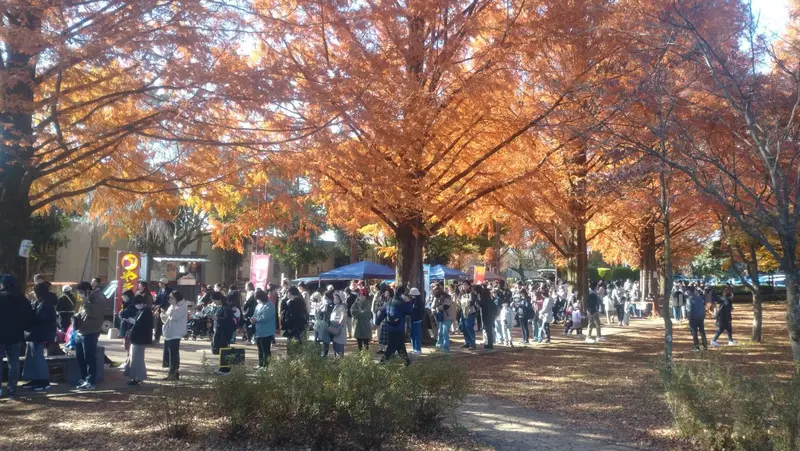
25	248
259	270
128	264
479	274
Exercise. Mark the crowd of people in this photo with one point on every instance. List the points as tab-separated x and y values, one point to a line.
257	315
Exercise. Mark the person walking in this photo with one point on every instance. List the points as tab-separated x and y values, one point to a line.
40	331
263	320
15	315
140	336
417	314
724	316
89	324
175	319
362	319
697	317
395	322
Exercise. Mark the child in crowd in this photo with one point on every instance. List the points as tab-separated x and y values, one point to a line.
575	321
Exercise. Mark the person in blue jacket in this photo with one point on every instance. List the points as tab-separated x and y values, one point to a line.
264	321
41	331
395	323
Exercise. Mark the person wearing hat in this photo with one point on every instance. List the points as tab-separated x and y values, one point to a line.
161	306
417	313
65	308
362	320
15	315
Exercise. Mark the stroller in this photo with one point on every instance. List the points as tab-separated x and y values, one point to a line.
199	327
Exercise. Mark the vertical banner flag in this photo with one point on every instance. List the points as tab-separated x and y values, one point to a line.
128	264
426	273
480	274
259	270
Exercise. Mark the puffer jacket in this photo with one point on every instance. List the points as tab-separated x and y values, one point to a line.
43	328
15	315
175	319
91	314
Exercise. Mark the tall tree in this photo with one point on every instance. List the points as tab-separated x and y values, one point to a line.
428	107
121	96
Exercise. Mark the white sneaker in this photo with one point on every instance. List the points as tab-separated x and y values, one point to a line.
589	340
732	343
599	339
714	344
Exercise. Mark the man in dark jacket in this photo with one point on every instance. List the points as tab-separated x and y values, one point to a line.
15	315
417	313
395	321
488	313
697	314
295	319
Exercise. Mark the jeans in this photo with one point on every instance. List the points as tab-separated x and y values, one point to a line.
416	336
338	349
86	353
443	340
469	330
695	325
264	350
544	331
397	343
523	324
12	352
172	355
676	313
498	328
620	313
724	327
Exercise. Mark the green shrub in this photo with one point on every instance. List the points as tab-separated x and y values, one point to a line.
593	273
717	409
604	273
304	400
622	273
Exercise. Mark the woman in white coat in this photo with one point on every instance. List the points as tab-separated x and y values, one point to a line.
546	316
175	319
338	324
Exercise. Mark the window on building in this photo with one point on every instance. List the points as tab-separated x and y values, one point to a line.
103	263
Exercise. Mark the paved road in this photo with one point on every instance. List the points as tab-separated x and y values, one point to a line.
510	427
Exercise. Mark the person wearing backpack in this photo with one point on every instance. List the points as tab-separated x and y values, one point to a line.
394	321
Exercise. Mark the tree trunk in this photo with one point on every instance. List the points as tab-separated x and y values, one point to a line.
648	271
755	289
667	275
16	137
793	313
410	242
578	265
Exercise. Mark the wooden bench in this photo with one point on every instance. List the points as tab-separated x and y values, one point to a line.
63	368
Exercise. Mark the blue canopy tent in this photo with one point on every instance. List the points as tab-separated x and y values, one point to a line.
359	271
442	272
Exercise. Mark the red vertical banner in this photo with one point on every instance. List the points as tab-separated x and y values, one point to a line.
128	264
259	270
479	274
